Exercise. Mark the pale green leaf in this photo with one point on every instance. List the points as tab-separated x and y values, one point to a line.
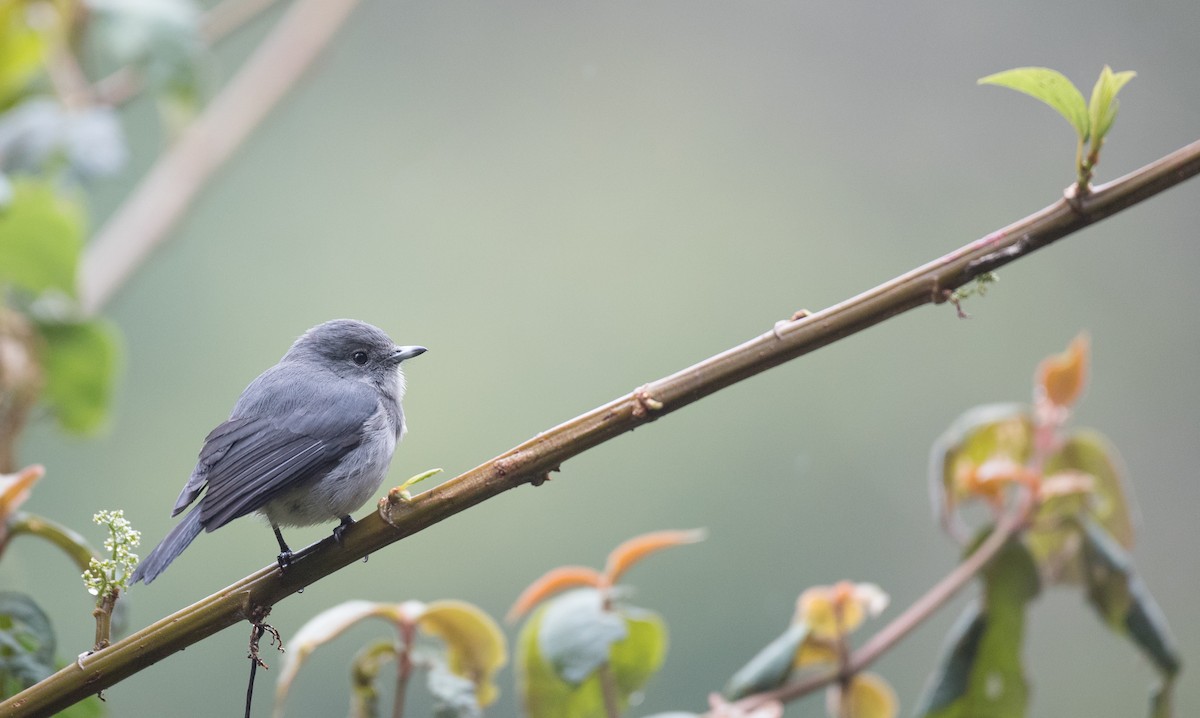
1049	86
320	629
41	235
22	50
81	365
1054	537
985	432
475	645
1102	109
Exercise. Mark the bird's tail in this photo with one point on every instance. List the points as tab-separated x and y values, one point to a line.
164	553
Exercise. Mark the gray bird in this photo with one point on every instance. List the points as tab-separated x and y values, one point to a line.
308	441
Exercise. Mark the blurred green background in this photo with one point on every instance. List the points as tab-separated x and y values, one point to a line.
564	201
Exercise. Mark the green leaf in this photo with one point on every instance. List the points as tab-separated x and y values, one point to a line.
632	660
980	674
41	235
1123	601
22	51
1054	538
475	646
26	641
1049	86
1102	109
770	667
81	366
985	432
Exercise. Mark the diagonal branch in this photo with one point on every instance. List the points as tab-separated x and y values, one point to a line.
171	185
532	461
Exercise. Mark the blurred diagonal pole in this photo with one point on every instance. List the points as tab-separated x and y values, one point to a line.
172	184
532	461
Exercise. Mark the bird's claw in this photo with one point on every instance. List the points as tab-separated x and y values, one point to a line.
339	531
284	559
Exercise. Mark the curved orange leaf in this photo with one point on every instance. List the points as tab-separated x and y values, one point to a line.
1061	378
14	488
560	579
635	549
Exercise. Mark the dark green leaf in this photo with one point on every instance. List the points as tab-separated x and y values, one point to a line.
770	667
1123	601
1049	86
41	235
26	640
952	676
81	366
980	674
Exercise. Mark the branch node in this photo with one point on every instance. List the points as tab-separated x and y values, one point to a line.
644	402
1074	195
395	501
508	464
797	316
543	478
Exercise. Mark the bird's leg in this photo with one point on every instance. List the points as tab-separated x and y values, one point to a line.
340	530
285	553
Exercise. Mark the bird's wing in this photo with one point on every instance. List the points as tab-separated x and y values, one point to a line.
296	431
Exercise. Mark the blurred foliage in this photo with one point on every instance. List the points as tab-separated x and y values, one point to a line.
585	647
470	649
585	652
1078	532
58	136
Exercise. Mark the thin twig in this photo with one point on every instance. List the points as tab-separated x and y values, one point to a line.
398	517
608	690
103	615
916	614
404	667
126	83
228	15
169	188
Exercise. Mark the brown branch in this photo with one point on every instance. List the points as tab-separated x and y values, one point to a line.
170	186
916	614
529	462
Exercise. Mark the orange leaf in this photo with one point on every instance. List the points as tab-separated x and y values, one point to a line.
1061	378
560	579
14	488
635	549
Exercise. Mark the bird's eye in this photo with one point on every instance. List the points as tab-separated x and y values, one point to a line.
360	358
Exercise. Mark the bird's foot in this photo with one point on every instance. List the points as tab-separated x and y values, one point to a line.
284	559
339	531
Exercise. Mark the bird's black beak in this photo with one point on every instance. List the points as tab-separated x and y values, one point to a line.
402	353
